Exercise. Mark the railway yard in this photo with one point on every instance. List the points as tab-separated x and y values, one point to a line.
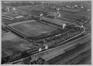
46	32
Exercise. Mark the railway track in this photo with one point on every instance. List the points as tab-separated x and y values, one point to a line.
71	54
47	54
